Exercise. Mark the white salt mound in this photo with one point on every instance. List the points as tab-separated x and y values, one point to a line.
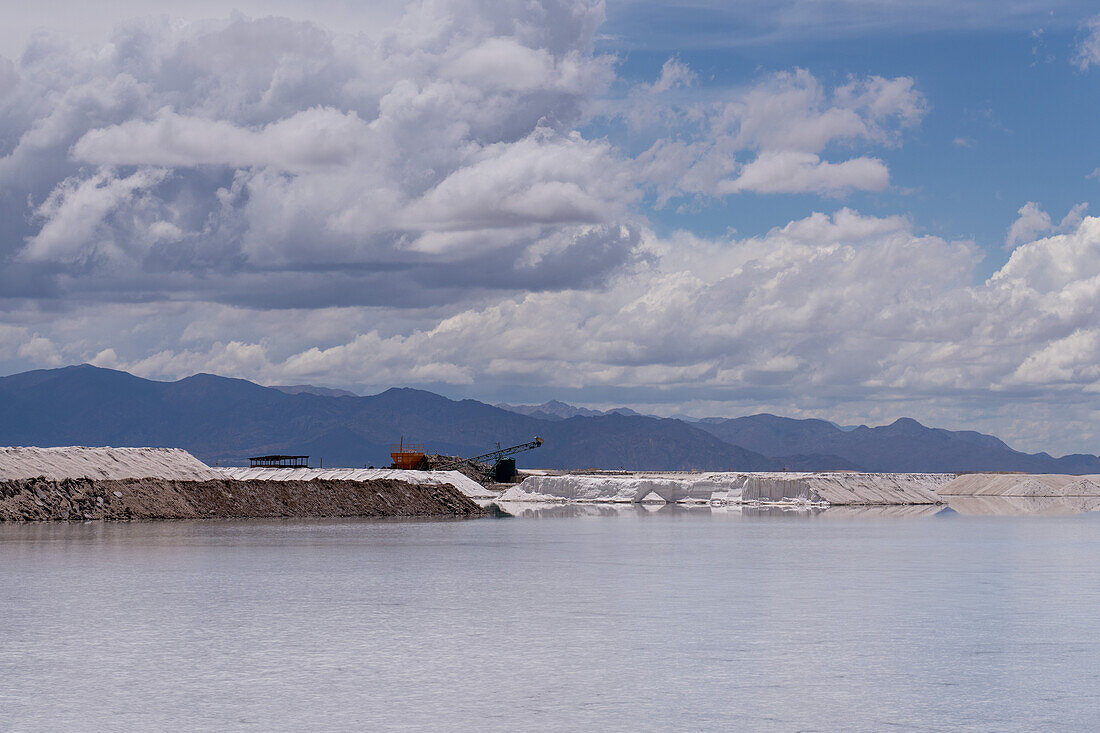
720	488
1018	484
843	488
57	464
460	481
653	487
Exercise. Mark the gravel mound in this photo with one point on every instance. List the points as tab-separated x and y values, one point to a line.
482	473
154	498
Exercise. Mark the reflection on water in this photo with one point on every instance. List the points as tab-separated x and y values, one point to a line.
555	510
1019	505
155	536
901	511
609	618
973	506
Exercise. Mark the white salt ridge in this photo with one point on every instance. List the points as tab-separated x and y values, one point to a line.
57	464
460	481
718	488
846	488
684	488
1023	485
573	509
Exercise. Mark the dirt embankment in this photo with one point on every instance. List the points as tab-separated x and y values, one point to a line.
153	498
480	472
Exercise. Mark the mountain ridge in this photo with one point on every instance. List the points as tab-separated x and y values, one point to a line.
224	420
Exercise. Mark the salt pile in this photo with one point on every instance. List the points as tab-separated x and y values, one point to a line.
699	488
463	483
846	488
1018	484
113	464
839	488
574	510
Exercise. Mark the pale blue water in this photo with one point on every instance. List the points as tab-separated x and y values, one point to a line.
669	620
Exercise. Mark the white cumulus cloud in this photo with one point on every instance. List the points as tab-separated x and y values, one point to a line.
429	203
770	137
1088	49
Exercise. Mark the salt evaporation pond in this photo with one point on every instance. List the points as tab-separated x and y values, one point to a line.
570	617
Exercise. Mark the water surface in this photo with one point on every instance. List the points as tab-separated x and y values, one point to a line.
562	619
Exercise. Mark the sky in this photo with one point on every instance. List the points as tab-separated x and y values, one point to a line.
848	209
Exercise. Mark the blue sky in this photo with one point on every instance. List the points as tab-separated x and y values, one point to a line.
1011	118
846	209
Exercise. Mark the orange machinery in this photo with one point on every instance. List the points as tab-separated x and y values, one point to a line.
407	455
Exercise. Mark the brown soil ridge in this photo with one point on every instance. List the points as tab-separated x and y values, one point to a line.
42	499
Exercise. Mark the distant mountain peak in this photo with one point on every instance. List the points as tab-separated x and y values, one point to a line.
313	390
624	411
550	410
905	426
408	390
558	410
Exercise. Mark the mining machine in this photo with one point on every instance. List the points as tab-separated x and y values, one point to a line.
504	465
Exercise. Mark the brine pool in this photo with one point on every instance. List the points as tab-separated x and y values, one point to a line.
563	618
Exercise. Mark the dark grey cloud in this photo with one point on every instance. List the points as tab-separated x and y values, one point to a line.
204	160
271	162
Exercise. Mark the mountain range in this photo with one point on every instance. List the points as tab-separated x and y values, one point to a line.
223	420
